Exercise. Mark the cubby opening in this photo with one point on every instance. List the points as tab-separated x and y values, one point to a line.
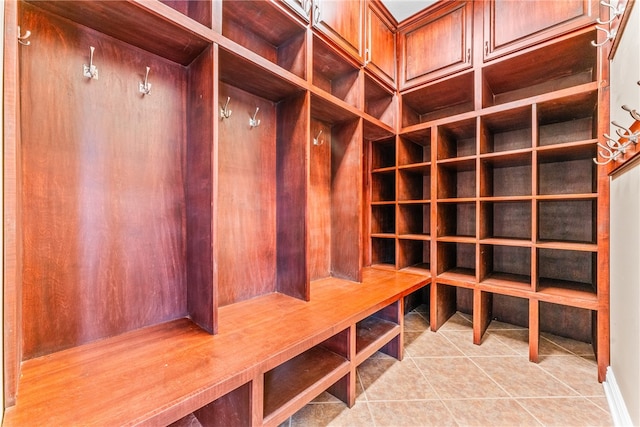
457	260
447	97
565	272
335	74
457	140
451	299
573	221
457	180
379	102
568	120
383	186
505	176
414	255
457	219
414	148
379	331
414	219
567	321
414	183
309	373
539	71
383	219
568	170
506	131
383	251
383	154
199	11
505	265
509	309
506	220
276	36
234	408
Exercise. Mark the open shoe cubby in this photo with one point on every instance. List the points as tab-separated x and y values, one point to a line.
505	176
570	221
414	148
559	275
457	140
569	119
414	219
383	219
505	265
507	130
379	331
383	186
379	101
335	74
383	251
457	220
506	220
567	170
457	179
414	183
414	255
383	154
457	261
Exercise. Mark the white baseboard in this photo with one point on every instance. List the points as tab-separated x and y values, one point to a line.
618	409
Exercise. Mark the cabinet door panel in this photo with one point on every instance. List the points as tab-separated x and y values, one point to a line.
381	46
438	45
512	25
342	22
301	7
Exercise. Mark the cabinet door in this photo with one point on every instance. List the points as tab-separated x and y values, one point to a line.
437	45
342	22
380	56
301	7
510	25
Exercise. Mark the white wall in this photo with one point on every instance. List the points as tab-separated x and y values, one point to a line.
625	228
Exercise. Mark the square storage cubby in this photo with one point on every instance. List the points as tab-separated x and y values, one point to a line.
199	11
505	265
379	102
565	272
414	219
414	254
567	220
383	186
378	332
414	148
444	98
506	220
383	219
457	219
537	72
457	139
334	74
457	260
567	170
383	251
569	119
275	35
566	321
457	180
506	176
234	408
506	131
383	154
414	183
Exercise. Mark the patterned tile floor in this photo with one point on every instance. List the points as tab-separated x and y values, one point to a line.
446	380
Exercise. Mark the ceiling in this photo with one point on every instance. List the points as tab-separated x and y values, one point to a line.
402	9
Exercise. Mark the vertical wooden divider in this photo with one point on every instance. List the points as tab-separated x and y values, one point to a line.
482	302
534	329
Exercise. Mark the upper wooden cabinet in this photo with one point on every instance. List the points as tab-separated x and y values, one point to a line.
437	44
380	54
342	22
510	25
301	7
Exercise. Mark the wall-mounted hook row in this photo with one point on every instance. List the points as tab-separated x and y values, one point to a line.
316	139
90	71
225	113
610	36
614	12
634	113
145	86
617	147
22	38
253	122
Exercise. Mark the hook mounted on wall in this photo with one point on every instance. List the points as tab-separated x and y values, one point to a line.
145	86
253	122
614	12
90	71
22	38
225	113
316	139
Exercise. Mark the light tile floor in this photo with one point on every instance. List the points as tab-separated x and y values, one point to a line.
446	380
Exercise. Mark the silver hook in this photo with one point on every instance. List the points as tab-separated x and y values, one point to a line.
610	36
22	39
634	113
90	71
145	87
225	113
316	140
252	121
614	12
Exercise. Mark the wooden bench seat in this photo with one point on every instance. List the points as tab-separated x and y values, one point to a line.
160	374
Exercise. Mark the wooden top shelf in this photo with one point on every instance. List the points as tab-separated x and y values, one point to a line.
159	374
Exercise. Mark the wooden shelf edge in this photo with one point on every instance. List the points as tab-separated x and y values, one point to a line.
385	330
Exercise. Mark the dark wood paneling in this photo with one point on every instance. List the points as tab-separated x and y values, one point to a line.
199	11
104	207
380	57
232	409
342	22
246	230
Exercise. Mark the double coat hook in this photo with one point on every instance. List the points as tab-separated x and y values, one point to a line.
22	38
145	86
90	71
253	122
225	113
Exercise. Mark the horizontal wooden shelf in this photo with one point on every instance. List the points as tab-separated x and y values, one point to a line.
419	168
457	239
383	170
457	200
384	235
371	334
508	280
506	242
421	268
573	246
414	202
414	236
576	196
464	276
564	292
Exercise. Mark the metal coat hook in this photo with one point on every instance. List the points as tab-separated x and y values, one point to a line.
22	39
610	36
613	13
145	86
90	71
633	136
634	113
253	122
225	113
316	140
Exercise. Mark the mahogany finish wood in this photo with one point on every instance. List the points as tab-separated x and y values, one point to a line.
380	50
342	23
